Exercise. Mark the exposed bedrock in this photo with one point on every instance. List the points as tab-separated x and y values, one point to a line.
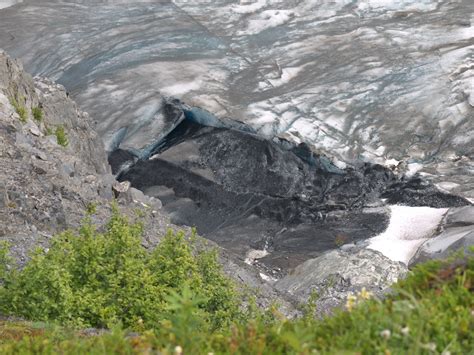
337	274
457	233
249	193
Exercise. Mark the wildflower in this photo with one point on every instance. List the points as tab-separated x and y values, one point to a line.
364	294
386	333
351	302
430	346
405	331
178	350
446	352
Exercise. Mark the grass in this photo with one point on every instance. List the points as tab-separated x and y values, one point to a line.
430	312
61	136
37	113
20	109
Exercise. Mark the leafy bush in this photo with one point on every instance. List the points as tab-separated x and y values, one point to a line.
61	136
94	279
20	109
37	113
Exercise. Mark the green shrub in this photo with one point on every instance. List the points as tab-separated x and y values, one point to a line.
5	261
95	279
20	109
61	136
37	113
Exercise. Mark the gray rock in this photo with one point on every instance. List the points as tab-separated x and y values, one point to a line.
138	196
120	187
337	274
34	130
89	179
41	155
458	217
46	188
457	233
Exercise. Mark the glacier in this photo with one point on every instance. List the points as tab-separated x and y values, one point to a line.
386	81
338	83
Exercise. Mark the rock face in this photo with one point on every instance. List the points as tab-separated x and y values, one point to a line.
337	274
45	187
457	233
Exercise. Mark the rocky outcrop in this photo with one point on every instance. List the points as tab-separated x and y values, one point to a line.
337	274
457	232
46	187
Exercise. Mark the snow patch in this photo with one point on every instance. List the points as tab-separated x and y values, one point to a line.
408	229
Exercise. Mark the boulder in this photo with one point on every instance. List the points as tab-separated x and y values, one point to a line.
457	233
337	274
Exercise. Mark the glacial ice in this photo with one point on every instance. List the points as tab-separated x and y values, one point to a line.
376	80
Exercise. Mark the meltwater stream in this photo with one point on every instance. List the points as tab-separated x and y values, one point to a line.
362	82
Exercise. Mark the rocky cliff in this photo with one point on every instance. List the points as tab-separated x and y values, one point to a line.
44	186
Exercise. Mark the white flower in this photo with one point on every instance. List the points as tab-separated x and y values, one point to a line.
430	346
405	331
385	334
178	350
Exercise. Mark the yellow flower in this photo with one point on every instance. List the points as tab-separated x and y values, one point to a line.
351	302
364	294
